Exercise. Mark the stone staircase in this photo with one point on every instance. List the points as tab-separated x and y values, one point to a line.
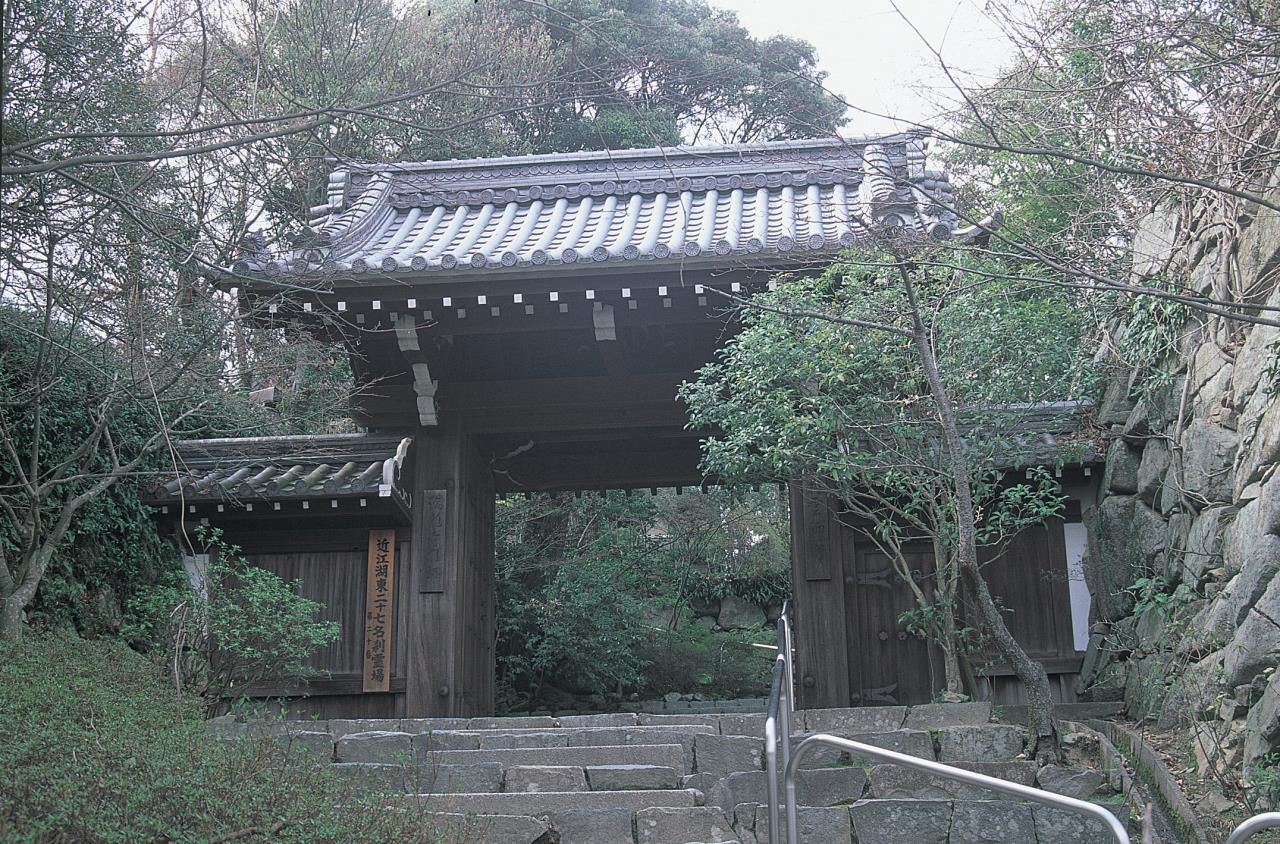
639	778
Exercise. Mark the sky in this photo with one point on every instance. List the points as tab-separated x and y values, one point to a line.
875	60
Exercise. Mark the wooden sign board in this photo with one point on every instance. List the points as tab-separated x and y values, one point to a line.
435	503
379	600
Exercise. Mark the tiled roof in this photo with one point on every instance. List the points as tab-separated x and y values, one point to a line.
685	204
253	469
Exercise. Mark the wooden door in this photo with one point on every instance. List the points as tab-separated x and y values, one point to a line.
887	664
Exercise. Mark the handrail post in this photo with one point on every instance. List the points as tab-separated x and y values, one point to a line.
771	755
777	727
1257	823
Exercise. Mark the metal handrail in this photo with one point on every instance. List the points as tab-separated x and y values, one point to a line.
778	718
879	754
1257	823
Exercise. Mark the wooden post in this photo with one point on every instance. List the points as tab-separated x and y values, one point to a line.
379	601
449	608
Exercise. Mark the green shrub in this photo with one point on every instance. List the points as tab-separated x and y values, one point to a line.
96	746
247	626
693	659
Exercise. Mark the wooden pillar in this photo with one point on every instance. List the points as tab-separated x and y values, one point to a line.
450	604
817	575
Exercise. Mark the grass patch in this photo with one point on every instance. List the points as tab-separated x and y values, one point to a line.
96	746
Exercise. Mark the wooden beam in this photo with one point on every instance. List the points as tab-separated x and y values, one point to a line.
601	470
423	386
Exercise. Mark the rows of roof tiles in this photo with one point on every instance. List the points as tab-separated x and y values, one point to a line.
286	467
416	218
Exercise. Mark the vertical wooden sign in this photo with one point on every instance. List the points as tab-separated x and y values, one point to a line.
379	599
435	504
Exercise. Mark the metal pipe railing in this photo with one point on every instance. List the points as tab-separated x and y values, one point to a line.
1257	823
777	721
879	754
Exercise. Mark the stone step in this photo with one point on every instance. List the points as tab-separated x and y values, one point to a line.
549	802
911	821
659	755
492	778
570	820
561	737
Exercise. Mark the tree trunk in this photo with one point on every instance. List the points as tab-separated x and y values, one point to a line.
950	653
1042	732
11	620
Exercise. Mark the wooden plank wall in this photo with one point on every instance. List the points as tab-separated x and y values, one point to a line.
331	567
851	649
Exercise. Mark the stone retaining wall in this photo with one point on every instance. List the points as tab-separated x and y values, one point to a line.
1190	500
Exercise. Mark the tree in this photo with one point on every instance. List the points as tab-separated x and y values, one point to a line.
878	382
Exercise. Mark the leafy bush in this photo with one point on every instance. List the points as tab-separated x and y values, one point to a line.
695	660
583	581
97	747
245	626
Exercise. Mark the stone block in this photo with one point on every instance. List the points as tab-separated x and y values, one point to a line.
600	719
911	742
746	725
702	782
649	719
724	755
375	746
488	829
598	736
445	740
1151	469
1208	461
932	716
1255	646
739	614
550	802
339	727
593	826
684	737
1155	238
1262	450
893	781
991	822
817	825
1125	543
1262	725
539	778
481	778
318	746
1175	544
631	777
854	721
374	775
520	722
1122	468
414	726
1058	826
901	821
1203	550
982	743
702	824
1250	529
1080	783
814	787
508	741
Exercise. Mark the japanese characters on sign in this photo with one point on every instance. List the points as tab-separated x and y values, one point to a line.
379	592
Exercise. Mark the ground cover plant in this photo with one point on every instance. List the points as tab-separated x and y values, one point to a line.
97	747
